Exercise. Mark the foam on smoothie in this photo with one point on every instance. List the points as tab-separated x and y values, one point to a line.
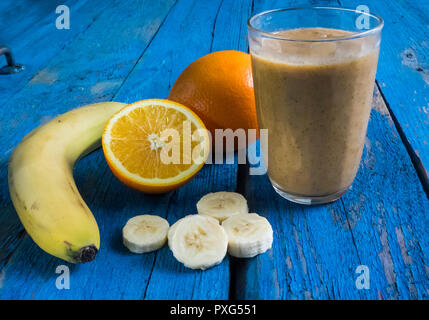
295	48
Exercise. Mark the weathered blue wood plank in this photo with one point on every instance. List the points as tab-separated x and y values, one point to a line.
28	28
230	31
19	17
218	36
313	257
185	36
91	69
403	71
388	213
403	225
381	222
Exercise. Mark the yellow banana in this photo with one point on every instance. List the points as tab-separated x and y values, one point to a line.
42	186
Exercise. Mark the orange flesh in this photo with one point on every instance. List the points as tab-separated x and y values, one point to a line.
132	145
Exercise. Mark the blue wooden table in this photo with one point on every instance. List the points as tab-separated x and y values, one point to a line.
131	50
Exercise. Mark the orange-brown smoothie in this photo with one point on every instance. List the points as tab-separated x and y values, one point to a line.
315	101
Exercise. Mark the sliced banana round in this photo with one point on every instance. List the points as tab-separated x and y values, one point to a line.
173	229
222	205
198	242
145	233
248	235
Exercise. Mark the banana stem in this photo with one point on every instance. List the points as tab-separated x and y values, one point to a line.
86	254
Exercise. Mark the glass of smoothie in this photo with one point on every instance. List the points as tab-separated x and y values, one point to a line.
314	71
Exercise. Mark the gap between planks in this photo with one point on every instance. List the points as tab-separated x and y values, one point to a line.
417	163
235	263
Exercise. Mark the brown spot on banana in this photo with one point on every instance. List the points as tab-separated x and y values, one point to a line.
34	206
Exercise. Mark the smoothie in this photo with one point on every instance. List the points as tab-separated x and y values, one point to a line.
315	100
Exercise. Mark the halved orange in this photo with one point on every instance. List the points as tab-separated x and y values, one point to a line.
155	145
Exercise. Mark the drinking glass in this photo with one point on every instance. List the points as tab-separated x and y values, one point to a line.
314	71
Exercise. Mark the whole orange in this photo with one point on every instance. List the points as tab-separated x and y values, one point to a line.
218	87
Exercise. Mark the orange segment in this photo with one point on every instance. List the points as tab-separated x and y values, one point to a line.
155	145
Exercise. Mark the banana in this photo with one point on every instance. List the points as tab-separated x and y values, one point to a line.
199	242
42	187
222	205
248	235
145	233
173	229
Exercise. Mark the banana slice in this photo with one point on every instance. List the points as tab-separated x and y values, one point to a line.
248	235
145	233
198	242
173	228
222	205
